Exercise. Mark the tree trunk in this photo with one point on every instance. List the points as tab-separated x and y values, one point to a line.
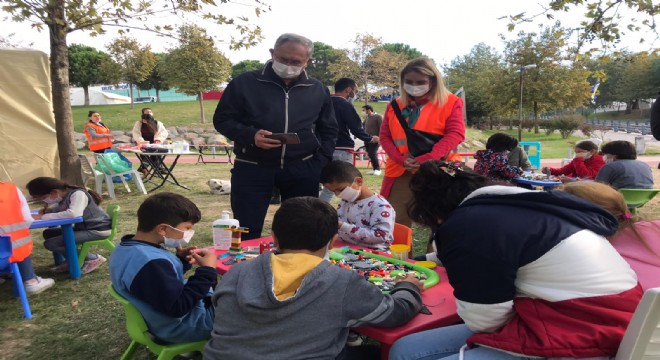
157	94
536	117
59	78
201	106
86	91
130	92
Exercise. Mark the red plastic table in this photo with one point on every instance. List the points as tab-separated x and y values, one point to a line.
439	299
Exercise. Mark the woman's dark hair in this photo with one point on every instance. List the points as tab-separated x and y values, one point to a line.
587	145
43	186
91	112
624	150
437	190
499	142
151	122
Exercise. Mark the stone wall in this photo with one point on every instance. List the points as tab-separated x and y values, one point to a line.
194	136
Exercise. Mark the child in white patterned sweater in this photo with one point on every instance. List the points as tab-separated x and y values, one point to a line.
365	218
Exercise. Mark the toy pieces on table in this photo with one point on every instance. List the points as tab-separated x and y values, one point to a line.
233	259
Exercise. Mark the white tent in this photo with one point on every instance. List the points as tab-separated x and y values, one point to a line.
28	145
96	97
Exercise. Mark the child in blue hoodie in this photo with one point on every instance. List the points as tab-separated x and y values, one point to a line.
151	278
293	304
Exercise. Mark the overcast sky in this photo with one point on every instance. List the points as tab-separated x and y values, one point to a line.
440	29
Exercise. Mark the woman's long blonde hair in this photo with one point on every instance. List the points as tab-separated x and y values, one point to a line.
438	93
609	199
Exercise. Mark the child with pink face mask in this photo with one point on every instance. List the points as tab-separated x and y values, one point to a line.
365	218
66	201
585	165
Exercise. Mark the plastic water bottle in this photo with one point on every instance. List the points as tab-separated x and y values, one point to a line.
222	237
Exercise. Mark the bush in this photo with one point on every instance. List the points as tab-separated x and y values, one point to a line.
586	129
565	126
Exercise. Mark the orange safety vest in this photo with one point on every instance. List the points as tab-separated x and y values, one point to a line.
431	119
98	143
13	224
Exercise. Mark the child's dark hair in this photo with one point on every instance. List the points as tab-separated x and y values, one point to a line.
624	150
304	223
43	186
368	107
499	142
145	109
91	112
587	145
437	190
339	172
166	208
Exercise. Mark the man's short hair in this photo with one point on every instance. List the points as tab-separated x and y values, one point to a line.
166	208
339	172
344	83
368	107
307	43
624	150
304	223
145	109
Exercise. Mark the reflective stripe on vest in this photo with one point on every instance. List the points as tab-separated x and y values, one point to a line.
431	119
13	224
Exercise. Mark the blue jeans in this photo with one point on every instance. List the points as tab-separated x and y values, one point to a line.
252	188
341	155
26	269
444	343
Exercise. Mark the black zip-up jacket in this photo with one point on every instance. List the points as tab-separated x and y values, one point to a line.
260	100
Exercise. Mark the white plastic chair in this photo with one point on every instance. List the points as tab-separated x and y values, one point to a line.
108	178
642	338
89	173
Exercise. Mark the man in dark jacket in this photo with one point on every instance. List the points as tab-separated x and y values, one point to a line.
280	98
348	122
655	118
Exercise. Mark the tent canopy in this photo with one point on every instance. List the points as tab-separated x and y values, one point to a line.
28	144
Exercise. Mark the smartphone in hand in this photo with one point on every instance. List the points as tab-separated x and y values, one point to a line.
288	138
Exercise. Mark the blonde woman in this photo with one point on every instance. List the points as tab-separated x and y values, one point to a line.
637	241
433	120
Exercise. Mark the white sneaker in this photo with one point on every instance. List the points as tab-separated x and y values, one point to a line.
37	285
376	172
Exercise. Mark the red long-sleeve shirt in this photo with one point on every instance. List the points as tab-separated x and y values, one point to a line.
586	169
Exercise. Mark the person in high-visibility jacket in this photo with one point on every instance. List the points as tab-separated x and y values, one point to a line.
428	106
98	134
15	222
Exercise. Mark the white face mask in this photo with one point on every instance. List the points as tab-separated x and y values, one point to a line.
349	194
416	91
52	201
175	243
607	159
364	113
286	71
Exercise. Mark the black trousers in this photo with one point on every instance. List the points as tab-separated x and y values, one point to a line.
372	150
252	188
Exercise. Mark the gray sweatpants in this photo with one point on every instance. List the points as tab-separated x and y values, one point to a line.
55	240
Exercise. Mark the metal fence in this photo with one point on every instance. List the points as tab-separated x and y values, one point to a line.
633	126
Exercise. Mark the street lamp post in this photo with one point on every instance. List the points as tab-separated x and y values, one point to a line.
522	68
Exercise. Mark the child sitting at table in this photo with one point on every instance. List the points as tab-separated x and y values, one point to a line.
294	305
585	165
494	161
152	279
365	218
65	201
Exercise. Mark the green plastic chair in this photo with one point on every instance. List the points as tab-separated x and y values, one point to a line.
113	211
636	198
139	333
